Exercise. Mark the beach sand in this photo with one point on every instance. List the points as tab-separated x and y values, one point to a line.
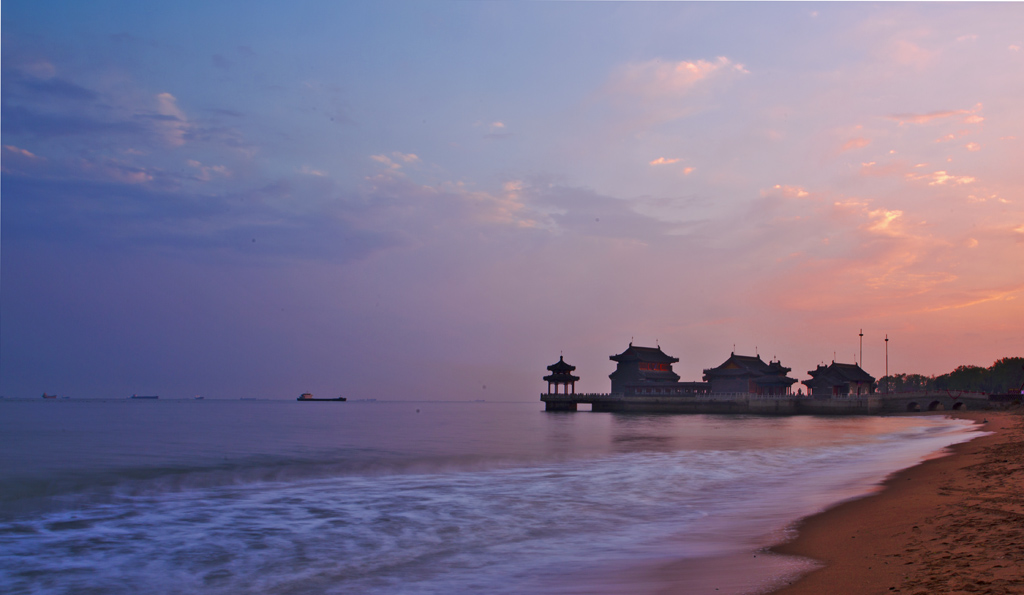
953	524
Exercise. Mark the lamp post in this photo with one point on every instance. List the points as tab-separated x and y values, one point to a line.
861	362
886	363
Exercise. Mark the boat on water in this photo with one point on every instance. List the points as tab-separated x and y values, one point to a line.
46	396
310	397
144	397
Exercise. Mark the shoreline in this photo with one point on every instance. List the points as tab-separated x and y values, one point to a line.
954	523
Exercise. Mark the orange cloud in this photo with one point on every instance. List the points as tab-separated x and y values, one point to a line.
664	161
855	143
942	178
881	221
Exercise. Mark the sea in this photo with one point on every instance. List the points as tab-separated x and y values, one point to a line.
266	496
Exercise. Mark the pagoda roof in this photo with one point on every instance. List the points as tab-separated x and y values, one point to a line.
644	354
740	364
842	373
560	377
560	367
751	366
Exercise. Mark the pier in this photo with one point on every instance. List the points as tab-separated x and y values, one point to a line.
757	404
643	382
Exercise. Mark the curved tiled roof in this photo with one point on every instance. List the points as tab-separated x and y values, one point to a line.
644	354
561	367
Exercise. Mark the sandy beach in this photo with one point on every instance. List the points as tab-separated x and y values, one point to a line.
953	524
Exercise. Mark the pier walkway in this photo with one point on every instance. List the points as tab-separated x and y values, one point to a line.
750	403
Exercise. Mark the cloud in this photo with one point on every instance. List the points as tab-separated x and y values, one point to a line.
972	147
660	78
941	178
902	168
495	130
882	220
59	89
927	118
907	53
786	192
386	162
664	161
172	120
309	171
21	152
855	143
120	211
206	171
125	174
657	91
55	108
27	122
873	169
397	156
405	157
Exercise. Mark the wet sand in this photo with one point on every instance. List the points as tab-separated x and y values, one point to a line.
953	524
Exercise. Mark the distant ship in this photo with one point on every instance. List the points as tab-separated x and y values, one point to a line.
46	396
144	397
309	397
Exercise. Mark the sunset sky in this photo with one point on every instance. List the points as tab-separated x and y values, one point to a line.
433	200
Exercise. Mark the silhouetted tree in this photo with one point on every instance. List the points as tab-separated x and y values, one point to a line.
1005	375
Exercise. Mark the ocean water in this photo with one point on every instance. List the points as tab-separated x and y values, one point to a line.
119	496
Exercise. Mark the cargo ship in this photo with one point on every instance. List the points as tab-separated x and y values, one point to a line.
309	397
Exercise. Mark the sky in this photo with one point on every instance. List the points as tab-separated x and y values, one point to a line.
435	200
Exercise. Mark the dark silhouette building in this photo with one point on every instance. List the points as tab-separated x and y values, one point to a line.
749	374
648	371
561	373
839	379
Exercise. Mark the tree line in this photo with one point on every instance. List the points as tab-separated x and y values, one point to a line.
1006	375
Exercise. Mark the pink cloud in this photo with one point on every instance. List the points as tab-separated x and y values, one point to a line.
175	124
855	143
874	169
21	152
908	53
664	161
926	118
660	78
206	171
786	191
